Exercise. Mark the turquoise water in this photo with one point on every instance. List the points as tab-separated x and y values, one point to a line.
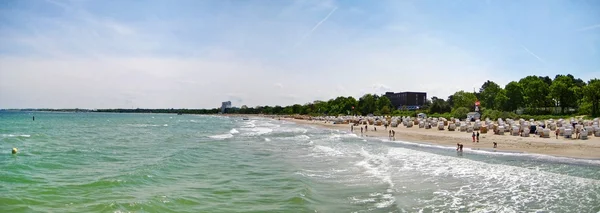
94	162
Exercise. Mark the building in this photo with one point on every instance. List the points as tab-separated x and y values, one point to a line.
472	116
410	100
225	105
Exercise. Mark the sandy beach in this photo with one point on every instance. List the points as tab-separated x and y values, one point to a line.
588	149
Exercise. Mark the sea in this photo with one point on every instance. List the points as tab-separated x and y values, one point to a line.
102	162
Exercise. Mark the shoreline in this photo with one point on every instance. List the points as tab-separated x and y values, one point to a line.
561	147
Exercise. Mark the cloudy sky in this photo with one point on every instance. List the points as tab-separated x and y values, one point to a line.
198	53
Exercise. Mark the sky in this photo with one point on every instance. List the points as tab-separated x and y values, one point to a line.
199	53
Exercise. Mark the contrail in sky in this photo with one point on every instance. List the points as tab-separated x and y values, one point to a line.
533	54
316	26
589	27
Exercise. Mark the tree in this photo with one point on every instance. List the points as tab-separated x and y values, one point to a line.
438	105
385	110
367	104
536	92
501	101
464	99
562	91
546	80
592	93
450	101
514	93
488	91
383	102
460	112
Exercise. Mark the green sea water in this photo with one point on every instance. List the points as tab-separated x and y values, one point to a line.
96	162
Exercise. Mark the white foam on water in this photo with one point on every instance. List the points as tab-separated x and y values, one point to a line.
312	175
377	165
302	137
142	125
233	131
12	136
293	130
223	136
166	125
267	139
257	131
296	138
327	150
484	186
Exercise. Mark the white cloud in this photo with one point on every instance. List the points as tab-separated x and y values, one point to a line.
379	88
100	62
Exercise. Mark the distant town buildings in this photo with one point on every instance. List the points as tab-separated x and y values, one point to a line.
407	100
225	105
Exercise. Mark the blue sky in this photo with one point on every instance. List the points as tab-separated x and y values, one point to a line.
195	54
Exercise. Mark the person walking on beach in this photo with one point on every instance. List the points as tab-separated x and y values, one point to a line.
366	129
495	145
473	136
375	128
390	134
477	136
352	128
556	133
393	135
361	130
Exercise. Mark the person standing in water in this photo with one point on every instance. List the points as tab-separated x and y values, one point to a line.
33	118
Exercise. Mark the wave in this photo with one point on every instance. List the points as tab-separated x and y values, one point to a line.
257	131
233	131
327	150
223	136
474	180
13	136
142	125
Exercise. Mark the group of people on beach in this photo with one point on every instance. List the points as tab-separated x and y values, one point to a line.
475	136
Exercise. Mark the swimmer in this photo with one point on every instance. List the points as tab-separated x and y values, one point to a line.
15	150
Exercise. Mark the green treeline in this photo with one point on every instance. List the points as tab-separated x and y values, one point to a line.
529	97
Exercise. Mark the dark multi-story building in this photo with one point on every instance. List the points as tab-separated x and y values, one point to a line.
410	100
225	105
